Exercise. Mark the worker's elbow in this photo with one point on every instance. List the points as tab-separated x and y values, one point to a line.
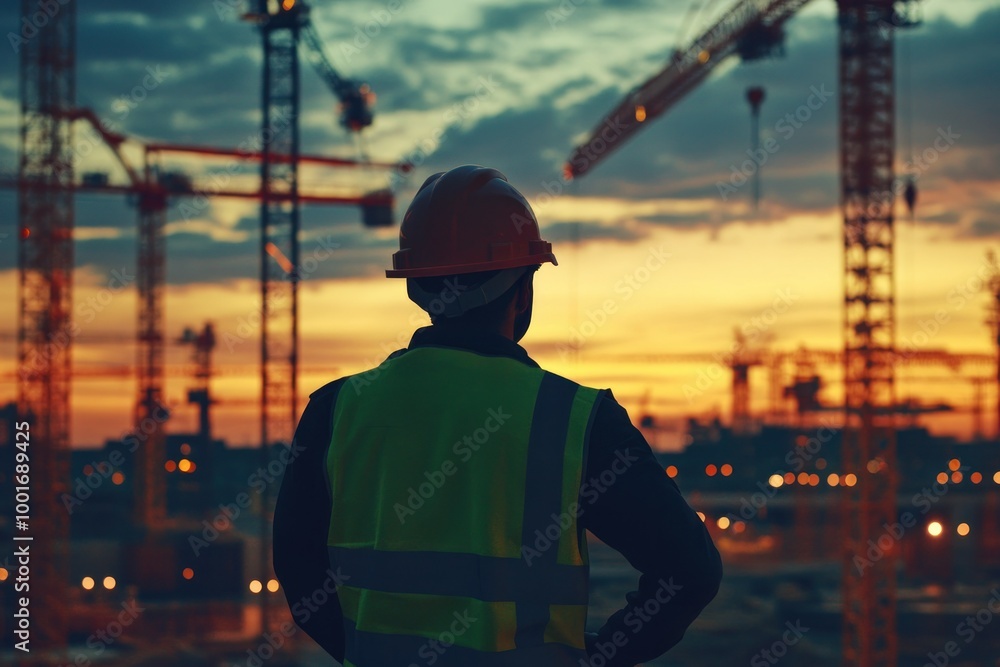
707	579
700	582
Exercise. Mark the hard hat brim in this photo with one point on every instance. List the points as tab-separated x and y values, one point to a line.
459	269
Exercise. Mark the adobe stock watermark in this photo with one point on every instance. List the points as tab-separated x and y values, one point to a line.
218	180
38	361
455	114
103	639
464	449
635	620
229	512
451	290
432	650
590	491
779	649
796	458
892	533
248	325
968	629
883	201
365	33
302	611
626	287
85	486
562	12
750	330
33	23
957	297
122	105
786	127
609	134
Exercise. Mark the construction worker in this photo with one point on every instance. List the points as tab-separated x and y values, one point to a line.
436	512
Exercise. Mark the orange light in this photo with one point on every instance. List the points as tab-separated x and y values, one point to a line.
850	479
801	440
710	470
820	464
184	465
814	480
942	478
25	232
789	478
283	261
194	466
640	113
956	477
996	477
934	529
187	573
118	478
287	4
739	527
775	480
976	477
109	582
255	586
87	583
723	522
170	466
833	479
726	470
954	464
803	478
3	574
703	57
185	449
671	471
701	515
272	585
88	470
962	529
873	466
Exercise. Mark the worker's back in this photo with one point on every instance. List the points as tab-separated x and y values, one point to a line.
434	512
454	481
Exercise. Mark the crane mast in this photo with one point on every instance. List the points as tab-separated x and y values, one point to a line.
45	327
753	28
867	150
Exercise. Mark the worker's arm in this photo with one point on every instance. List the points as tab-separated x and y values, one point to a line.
301	524
631	504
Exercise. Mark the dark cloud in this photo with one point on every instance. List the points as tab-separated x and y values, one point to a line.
984	221
211	96
575	232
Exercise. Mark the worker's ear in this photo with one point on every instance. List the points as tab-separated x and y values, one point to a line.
525	294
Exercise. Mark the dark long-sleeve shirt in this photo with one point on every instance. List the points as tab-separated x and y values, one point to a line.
627	501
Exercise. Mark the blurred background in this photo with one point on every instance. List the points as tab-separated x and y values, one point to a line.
775	224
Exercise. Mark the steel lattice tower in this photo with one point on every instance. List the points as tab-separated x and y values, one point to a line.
150	505
45	328
279	220
867	110
279	245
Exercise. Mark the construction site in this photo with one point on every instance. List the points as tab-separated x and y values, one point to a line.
776	224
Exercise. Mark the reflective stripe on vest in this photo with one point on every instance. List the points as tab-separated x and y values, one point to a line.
491	486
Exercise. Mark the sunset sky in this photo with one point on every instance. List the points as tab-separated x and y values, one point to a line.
506	85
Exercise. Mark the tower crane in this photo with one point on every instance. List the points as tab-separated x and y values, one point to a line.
47	73
46	333
751	29
202	343
282	23
992	288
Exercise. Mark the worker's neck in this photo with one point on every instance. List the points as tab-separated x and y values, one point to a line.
506	329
